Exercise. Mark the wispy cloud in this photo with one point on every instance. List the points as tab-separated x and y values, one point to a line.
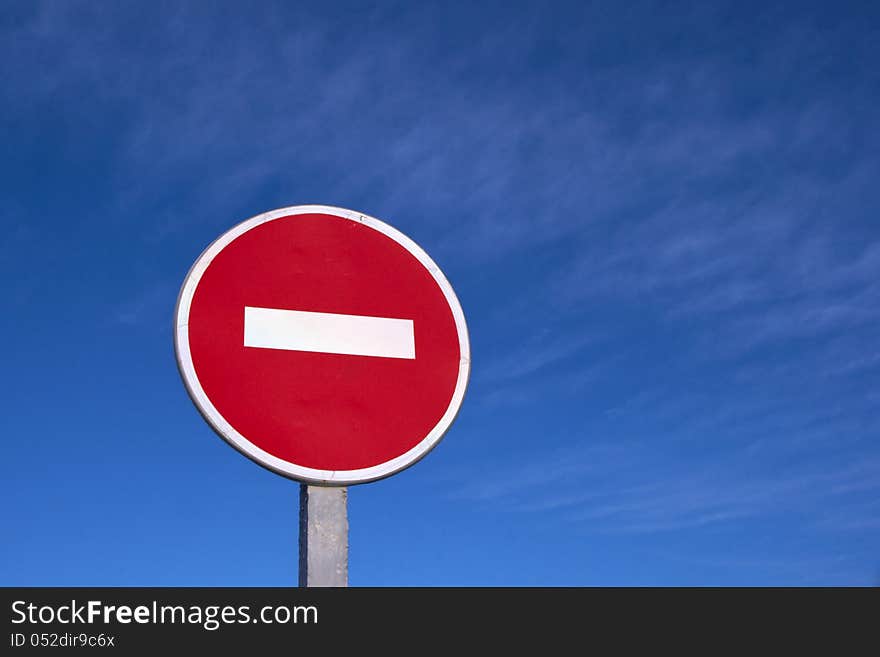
624	489
534	354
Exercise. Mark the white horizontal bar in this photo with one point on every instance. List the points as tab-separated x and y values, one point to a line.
329	333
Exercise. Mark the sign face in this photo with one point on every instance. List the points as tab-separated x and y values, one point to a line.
323	344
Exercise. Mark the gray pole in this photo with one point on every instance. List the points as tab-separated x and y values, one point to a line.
323	536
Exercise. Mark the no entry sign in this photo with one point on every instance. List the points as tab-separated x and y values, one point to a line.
323	344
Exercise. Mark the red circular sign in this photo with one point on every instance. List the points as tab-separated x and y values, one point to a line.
323	344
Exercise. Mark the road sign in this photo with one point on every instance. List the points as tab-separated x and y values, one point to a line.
323	344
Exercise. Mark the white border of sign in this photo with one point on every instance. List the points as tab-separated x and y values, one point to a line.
242	444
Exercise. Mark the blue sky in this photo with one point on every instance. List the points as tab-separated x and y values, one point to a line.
661	220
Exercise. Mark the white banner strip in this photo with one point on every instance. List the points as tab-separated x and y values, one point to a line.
329	333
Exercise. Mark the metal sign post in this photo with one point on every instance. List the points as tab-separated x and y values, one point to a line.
323	536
